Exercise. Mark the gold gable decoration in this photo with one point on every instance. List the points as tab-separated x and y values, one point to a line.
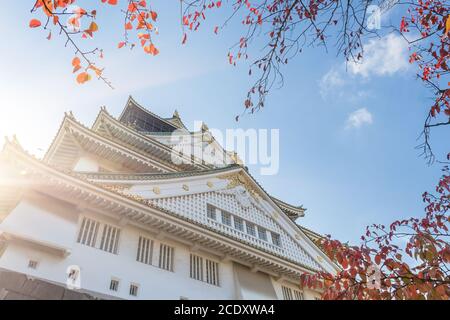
239	179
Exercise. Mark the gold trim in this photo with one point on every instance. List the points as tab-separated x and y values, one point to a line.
239	179
156	190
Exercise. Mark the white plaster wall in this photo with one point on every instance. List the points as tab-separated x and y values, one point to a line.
98	267
42	223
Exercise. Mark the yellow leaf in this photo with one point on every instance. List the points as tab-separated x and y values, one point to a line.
93	27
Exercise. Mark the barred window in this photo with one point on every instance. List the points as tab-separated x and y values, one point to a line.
114	285
32	264
134	289
298	295
226	218
166	257
287	293
87	234
211	211
276	239
239	223
110	239
251	229
212	272
262	234
145	250
196	267
204	270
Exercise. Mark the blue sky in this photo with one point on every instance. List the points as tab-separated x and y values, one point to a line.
348	135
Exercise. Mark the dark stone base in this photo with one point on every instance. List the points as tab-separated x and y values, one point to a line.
17	286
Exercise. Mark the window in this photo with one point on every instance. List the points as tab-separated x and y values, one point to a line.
226	218
212	272
251	230
239	223
211	211
276	240
196	268
88	232
298	295
204	270
287	293
114	285
32	264
166	257
145	250
134	289
110	239
262	234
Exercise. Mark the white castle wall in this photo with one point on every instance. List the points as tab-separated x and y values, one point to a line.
53	225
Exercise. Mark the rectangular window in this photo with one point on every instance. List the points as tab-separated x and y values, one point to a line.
298	295
262	234
110	239
276	239
87	234
32	264
166	257
204	270
196	268
287	293
212	272
251	229
114	285
145	250
226	218
239	223
134	289
211	211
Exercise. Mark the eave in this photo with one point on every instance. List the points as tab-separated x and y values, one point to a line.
107	125
84	194
73	138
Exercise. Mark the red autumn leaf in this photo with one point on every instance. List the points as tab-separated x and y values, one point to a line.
154	15
121	44
34	23
128	26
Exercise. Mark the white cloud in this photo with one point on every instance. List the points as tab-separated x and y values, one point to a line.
330	81
358	118
384	56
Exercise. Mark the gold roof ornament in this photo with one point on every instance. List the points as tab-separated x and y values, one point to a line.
204	127
156	190
239	179
210	184
185	187
175	114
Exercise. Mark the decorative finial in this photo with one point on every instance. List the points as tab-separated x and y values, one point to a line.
204	127
175	114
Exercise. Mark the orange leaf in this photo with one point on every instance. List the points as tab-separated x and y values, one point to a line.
151	49
76	61
128	26
83	77
154	15
34	23
76	68
93	27
121	44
